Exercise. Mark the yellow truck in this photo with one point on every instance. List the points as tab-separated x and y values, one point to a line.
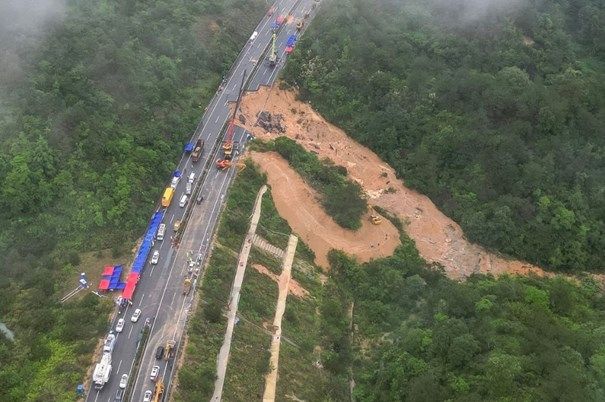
167	197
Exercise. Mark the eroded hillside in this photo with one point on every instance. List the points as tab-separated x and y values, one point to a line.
438	238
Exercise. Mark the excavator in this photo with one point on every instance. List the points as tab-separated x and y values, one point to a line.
228	143
273	54
374	217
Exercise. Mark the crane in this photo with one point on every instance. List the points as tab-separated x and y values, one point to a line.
273	54
228	143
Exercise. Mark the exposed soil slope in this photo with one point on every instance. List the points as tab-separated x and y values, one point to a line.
297	203
438	238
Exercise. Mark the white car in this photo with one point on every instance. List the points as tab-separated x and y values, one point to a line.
174	182
109	342
124	381
156	257
147	396
154	373
120	325
136	315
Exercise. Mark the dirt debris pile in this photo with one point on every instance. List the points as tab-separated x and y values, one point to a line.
438	238
297	202
271	123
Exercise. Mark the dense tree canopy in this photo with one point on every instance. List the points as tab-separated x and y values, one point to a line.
493	109
423	337
90	130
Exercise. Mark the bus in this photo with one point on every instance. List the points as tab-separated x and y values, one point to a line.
167	197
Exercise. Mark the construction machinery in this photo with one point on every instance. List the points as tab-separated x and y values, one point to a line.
223	164
169	349
158	391
228	143
186	286
273	54
374	217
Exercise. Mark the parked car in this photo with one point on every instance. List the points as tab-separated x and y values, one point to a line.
136	315
159	352
154	373
156	257
120	325
119	394
147	396
124	381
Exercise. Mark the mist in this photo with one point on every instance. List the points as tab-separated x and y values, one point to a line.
23	25
466	11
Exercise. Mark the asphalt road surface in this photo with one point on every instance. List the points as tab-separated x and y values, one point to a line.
159	291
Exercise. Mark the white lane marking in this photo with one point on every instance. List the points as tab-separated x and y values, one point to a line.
141	301
171	218
201	131
150	273
155	320
217	117
130	332
97	396
173	296
119	364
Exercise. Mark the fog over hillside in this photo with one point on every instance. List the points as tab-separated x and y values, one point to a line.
23	24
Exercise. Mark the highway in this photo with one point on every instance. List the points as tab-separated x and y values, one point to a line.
159	291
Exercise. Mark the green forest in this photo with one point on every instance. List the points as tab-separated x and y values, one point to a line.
495	110
90	130
418	336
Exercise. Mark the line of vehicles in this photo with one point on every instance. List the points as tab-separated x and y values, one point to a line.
103	369
170	191
167	351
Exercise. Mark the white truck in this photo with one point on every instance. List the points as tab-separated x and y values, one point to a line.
102	371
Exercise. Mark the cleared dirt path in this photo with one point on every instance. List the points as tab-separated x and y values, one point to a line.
242	261
438	238
284	285
297	203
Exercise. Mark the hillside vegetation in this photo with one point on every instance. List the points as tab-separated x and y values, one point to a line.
90	130
493	109
423	337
